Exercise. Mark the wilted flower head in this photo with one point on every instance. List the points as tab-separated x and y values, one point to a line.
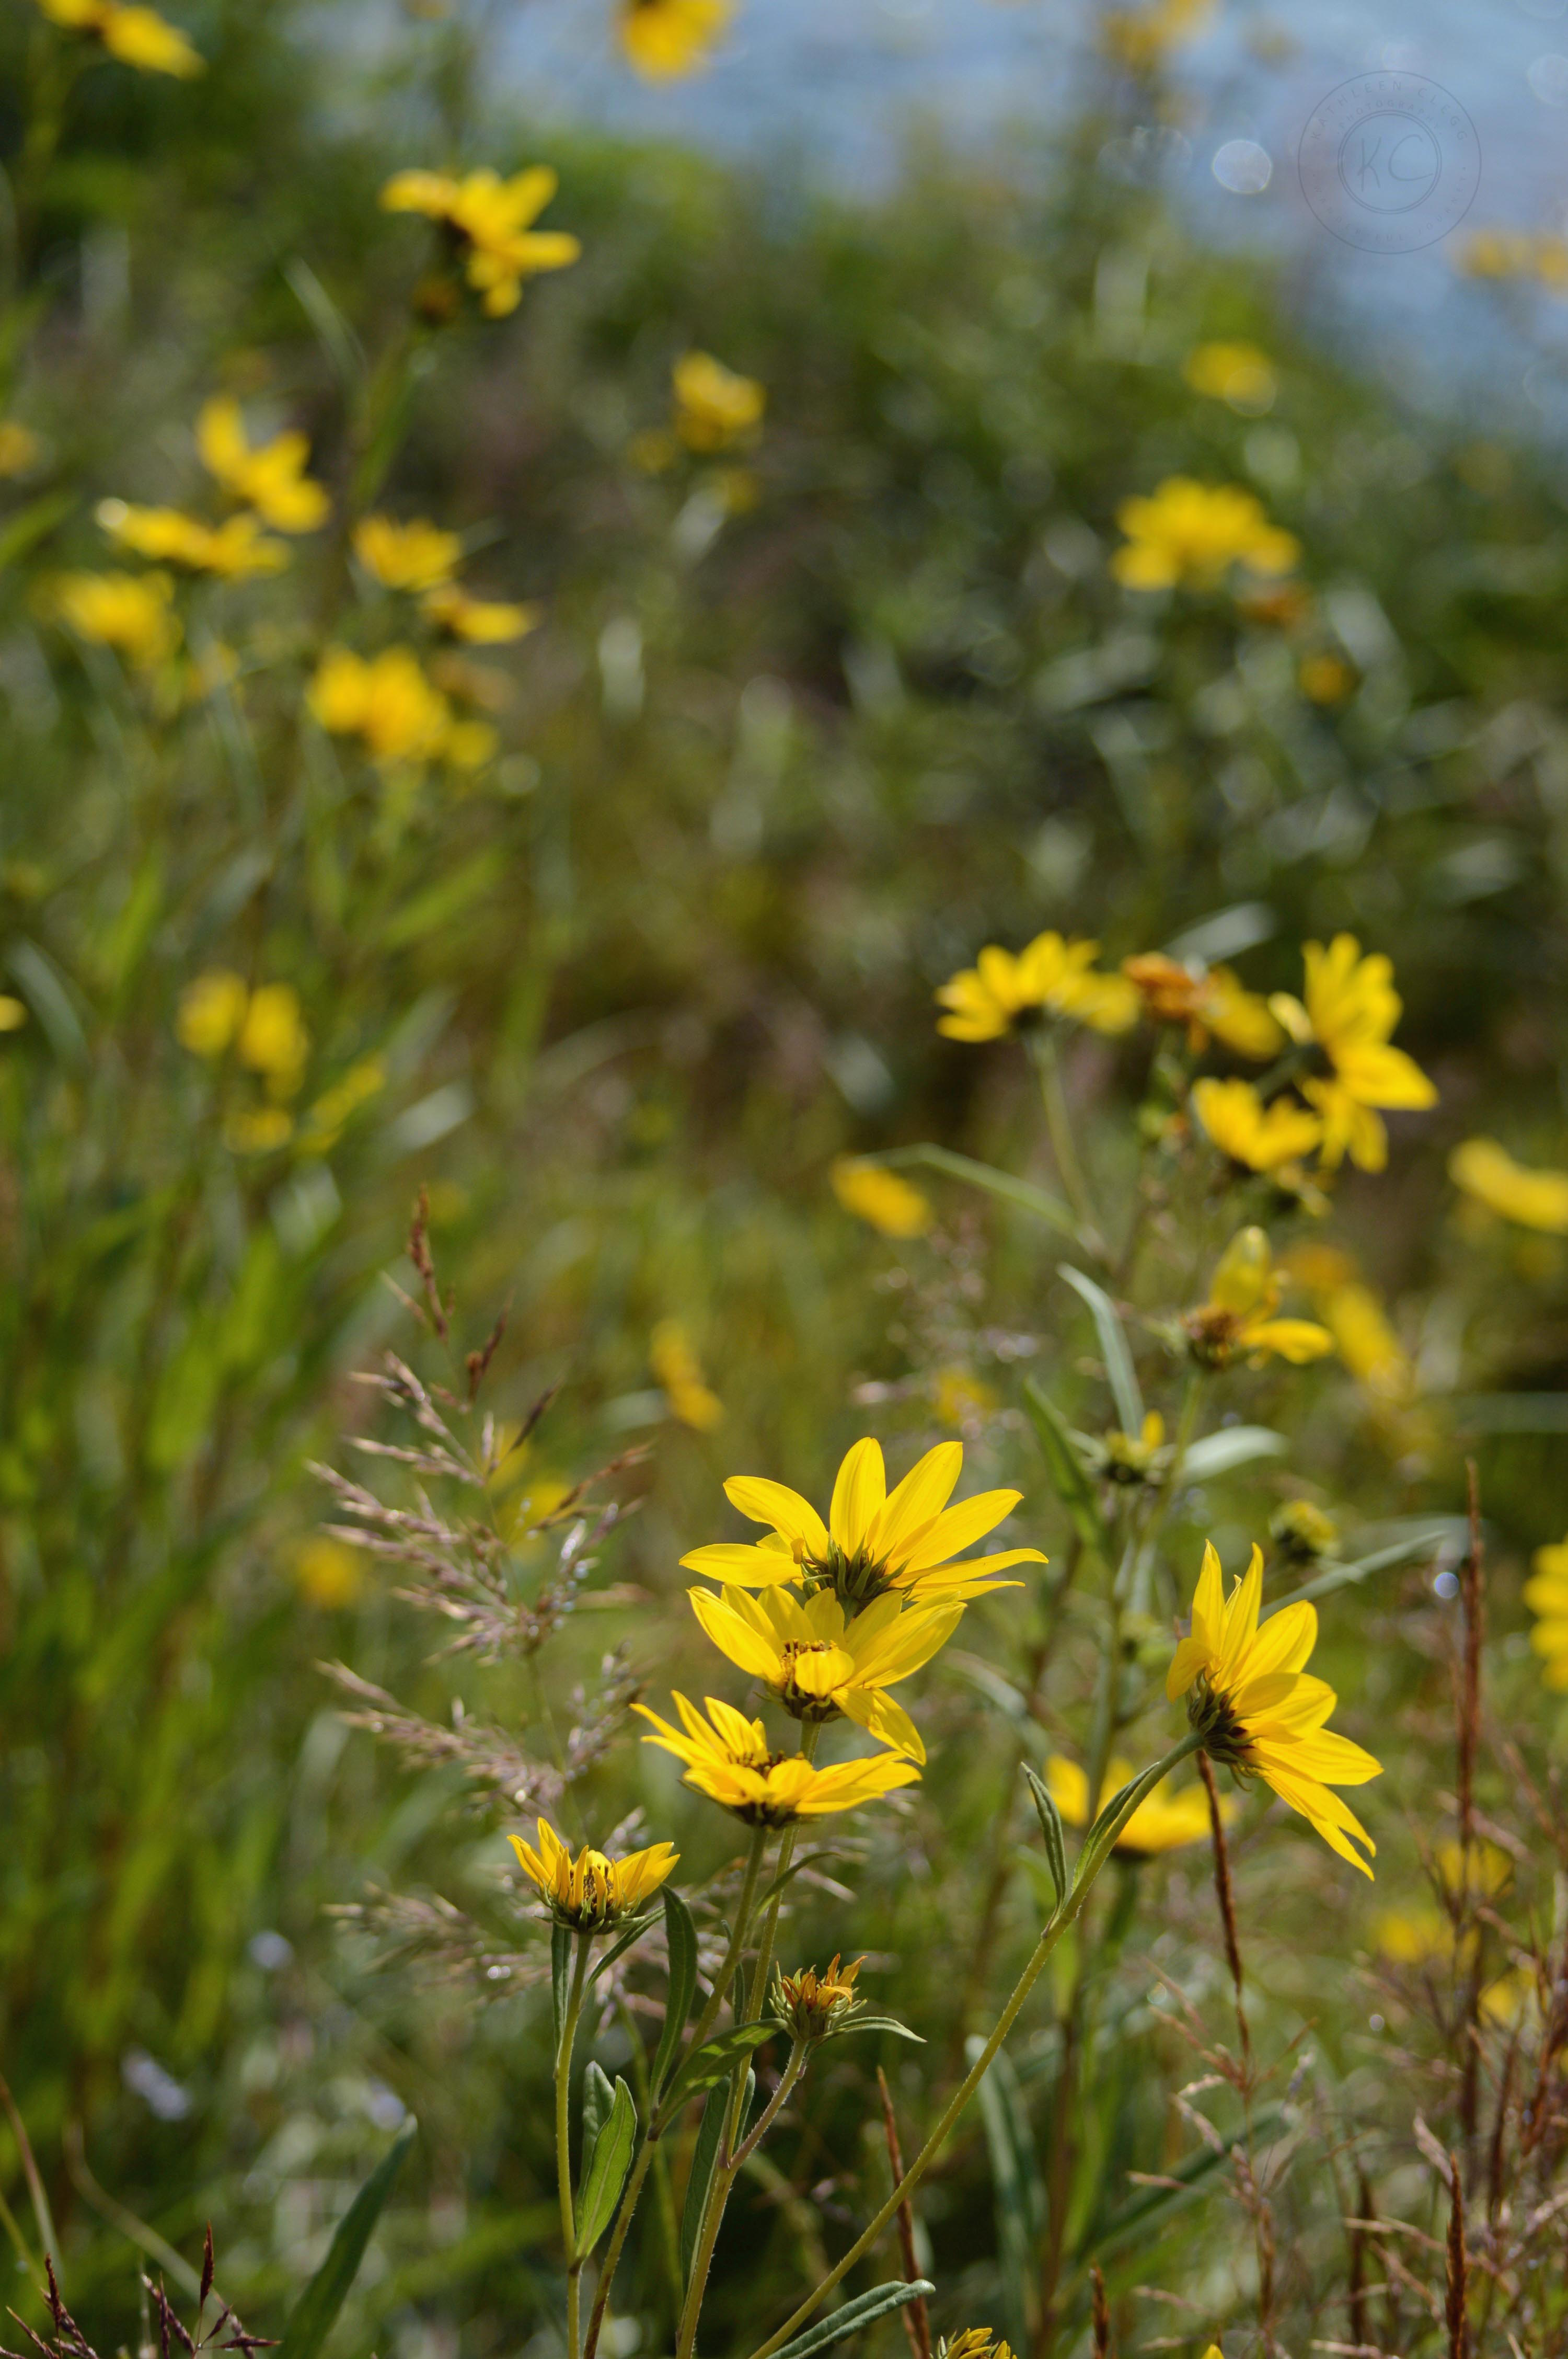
1001	994
975	2342
664	39
592	1893
728	1758
814	2003
491	220
880	1197
1487	1172
267	476
1194	533
1239	1316
1256	1710
874	1540
1351	1008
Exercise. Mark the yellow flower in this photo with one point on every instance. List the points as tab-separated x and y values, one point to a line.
1163	1823
1142	41
728	1759
414	556
257	1130
12	1013
1191	532
976	2342
1258	1712
482	622
388	702
1365	1343
1302	1533
874	1541
664	39
1238	373
812	2003
1260	1137
137	37
1058	977
1206	1000
592	1893
131	613
329	1572
269	477
679	1372
960	1400
212	1010
1239	1316
491	218
818	1664
714	407
1351	1009
235	550
880	1197
1496	253
1546	1594
272	1038
1536	1200
20	448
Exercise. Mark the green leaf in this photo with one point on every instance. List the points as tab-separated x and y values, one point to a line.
604	2173
1002	1184
853	2316
716	2060
1342	1576
312	2319
33	524
703	2162
1118	1369
1118	1810
1232	1445
634	1932
681	1934
1068	1478
874	2023
598	2097
1050	1828
1018	2191
560	1977
441	903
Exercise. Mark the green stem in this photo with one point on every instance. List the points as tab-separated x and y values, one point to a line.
1059	1126
770	2112
1096	1851
563	2137
661	2119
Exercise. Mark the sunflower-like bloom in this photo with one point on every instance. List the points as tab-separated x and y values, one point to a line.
492	220
137	37
666	39
814	2003
592	1893
1351	1008
235	550
1239	1316
820	1664
1257	1136
1546	1594
267	476
715	407
880	1197
388	702
131	613
1256	1709
1161	1822
1536	1200
1194	533
727	1757
1051	977
414	556
874	1540
1208	1001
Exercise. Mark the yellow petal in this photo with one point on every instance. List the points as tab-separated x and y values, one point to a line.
858	1495
732	1637
881	1717
957	1528
774	1502
918	1500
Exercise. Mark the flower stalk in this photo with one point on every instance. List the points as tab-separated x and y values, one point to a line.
563	2135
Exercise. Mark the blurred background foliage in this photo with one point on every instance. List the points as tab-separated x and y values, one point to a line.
801	728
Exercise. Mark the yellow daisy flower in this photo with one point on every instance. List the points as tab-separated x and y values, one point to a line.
874	1540
414	556
235	550
389	703
726	1759
880	1197
679	1372
715	407
820	1664
592	1893
1194	533
1257	1136
664	39
1051	977
1238	374
131	613
1546	1594
491	218
1536	1200
1239	1316
267	476
1258	1711
482	622
137	37
1207	1000
1163	1823
1351	1007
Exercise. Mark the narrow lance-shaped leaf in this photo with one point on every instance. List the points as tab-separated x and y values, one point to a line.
853	2316
1000	1184
1118	1369
680	1934
703	2162
604	2175
1068	1478
1232	1446
598	2097
717	2058
313	2315
1050	1828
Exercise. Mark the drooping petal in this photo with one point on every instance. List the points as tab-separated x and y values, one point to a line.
885	1719
858	1495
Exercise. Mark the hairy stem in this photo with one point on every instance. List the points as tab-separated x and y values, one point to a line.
563	2137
